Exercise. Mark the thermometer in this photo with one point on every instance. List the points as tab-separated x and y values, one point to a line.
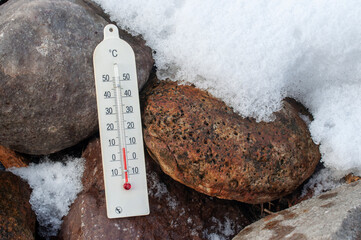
120	127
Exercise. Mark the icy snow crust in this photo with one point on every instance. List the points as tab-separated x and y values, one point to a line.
252	54
55	186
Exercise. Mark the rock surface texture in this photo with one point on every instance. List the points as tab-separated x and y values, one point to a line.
9	158
333	215
202	143
17	220
47	86
176	212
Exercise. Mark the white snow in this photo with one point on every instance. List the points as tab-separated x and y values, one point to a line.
323	181
159	190
224	229
252	54
55	186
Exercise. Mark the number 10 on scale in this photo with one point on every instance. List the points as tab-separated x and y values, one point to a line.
120	127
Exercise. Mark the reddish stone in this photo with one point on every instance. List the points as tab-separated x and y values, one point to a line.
9	158
176	212
202	143
349	178
17	220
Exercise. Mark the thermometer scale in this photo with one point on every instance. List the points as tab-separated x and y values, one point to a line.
120	127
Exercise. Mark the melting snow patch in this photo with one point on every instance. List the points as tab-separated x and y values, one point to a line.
159	190
156	188
222	231
325	180
55	186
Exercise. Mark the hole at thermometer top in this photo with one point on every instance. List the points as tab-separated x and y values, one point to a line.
111	31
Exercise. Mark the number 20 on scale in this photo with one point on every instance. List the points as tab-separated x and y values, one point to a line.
120	127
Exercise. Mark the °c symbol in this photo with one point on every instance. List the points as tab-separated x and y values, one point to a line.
114	52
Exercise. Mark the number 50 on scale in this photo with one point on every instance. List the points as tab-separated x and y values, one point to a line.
120	127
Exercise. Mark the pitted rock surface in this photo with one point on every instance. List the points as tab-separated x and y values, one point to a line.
17	220
202	143
176	212
47	88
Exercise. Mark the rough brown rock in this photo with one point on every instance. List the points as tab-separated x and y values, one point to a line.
349	178
47	86
202	143
9	158
17	220
176	212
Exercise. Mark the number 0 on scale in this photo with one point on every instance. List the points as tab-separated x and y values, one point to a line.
120	127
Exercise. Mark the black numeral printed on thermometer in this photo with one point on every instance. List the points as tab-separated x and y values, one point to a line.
115	172
105	78
130	125
107	94
126	76
132	140
129	109
108	111
128	93
111	142
110	126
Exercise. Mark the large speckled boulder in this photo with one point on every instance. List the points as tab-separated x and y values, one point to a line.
47	90
176	212
202	143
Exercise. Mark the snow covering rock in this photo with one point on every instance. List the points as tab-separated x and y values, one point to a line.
252	54
17	220
55	186
47	90
202	143
176	212
332	215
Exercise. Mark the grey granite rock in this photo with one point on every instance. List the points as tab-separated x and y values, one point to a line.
47	91
332	215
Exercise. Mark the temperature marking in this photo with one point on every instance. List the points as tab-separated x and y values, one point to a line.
121	121
120	127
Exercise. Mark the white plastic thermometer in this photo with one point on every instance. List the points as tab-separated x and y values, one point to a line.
120	127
